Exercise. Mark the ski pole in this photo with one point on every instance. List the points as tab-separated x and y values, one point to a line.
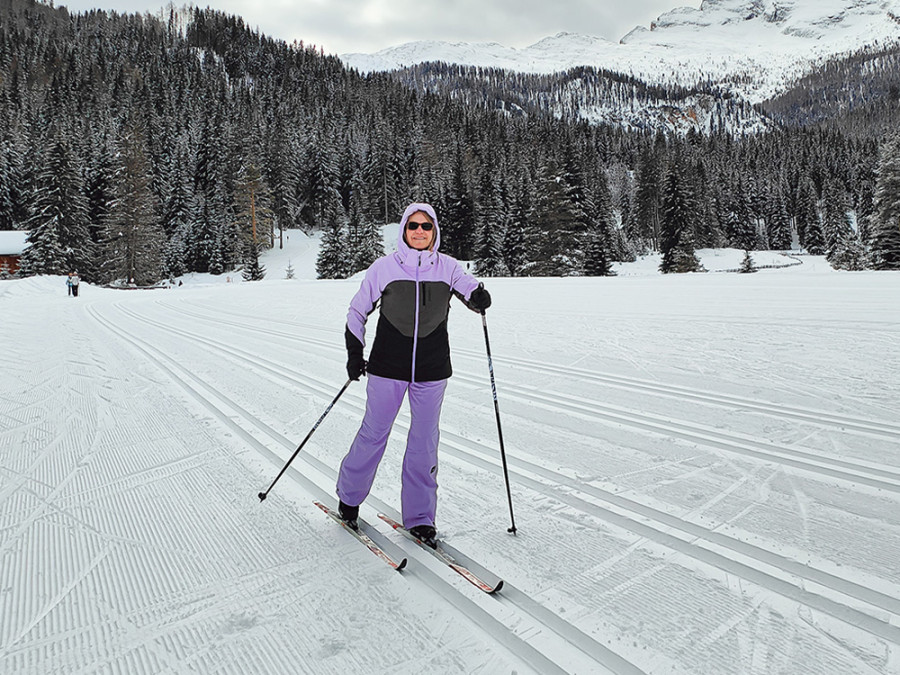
263	495
487	344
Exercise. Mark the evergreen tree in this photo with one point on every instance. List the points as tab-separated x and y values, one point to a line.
253	270
133	242
489	256
254	219
178	211
809	227
101	182
837	226
649	193
747	264
557	222
779	222
515	242
284	178
289	271
741	226
885	235
458	219
59	241
380	173
599	232
332	261
848	253
207	247
366	243
320	177
11	189
679	211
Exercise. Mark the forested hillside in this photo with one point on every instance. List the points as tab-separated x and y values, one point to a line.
859	94
135	148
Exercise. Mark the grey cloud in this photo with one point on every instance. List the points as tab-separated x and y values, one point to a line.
342	26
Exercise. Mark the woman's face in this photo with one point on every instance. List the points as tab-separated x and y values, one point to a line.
419	238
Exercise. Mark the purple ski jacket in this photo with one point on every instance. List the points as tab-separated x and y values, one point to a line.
414	287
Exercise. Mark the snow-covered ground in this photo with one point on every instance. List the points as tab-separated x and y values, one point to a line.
705	473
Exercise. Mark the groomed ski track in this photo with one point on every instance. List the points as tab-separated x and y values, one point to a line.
577	519
537	630
788	578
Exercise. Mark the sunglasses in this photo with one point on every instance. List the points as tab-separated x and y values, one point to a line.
412	226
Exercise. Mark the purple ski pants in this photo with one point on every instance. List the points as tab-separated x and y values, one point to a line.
419	480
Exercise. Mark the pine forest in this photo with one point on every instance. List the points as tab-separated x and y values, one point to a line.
135	148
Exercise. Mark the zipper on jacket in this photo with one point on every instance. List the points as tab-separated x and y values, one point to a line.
412	377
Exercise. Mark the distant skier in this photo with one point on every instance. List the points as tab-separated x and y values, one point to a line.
410	353
74	281
69	283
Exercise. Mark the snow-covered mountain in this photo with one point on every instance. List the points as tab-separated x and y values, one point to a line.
756	47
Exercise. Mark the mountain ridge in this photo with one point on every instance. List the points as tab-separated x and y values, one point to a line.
755	48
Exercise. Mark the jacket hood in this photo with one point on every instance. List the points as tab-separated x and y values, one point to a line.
402	246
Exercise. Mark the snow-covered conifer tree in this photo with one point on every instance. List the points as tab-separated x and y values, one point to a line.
365	243
747	264
458	219
489	257
515	244
206	241
648	193
332	261
599	231
678	214
809	226
885	231
778	223
11	189
740	227
837	226
134	238
59	241
253	270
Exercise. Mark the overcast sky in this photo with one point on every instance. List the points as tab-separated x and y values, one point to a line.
344	26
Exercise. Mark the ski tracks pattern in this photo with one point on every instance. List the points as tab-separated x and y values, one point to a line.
139	547
741	591
635	562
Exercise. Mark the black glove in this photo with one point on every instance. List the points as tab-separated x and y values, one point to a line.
356	364
480	299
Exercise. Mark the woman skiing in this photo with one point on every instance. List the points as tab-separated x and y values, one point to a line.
410	353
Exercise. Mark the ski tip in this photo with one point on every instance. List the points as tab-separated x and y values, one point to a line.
497	587
401	565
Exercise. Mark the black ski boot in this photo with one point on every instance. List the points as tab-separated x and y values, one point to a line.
426	534
349	514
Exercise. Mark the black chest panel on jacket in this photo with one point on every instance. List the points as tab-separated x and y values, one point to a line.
392	350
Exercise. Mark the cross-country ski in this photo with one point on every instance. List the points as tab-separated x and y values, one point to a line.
359	534
439	553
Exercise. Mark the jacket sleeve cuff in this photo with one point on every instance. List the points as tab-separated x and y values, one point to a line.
354	346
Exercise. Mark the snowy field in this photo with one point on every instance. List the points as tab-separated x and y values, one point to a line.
705	472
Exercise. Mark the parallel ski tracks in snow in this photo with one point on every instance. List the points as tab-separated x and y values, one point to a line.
848	601
846	423
493	614
875	476
818	417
